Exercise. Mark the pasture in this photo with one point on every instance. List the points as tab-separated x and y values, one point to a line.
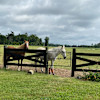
39	86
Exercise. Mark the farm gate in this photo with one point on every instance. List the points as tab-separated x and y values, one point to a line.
31	57
90	62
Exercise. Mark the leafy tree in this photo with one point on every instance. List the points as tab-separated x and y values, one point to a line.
10	37
3	39
46	41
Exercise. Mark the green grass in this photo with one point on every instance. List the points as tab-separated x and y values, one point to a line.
16	85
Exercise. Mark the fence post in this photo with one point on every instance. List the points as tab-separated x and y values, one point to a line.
73	62
46	59
4	59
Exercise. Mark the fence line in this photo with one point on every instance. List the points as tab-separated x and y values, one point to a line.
29	57
90	62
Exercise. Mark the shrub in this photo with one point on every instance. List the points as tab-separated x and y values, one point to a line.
92	76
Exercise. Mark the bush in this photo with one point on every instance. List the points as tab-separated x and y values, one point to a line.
92	76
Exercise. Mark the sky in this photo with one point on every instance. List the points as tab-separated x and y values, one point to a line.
72	22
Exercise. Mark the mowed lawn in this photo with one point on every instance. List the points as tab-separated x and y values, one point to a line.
16	85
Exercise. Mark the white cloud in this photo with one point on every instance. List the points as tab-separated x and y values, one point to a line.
64	21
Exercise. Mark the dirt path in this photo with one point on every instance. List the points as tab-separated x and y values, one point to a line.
58	71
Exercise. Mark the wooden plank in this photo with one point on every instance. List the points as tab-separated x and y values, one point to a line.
46	61
87	64
37	55
30	65
18	56
88	54
27	59
73	62
12	59
84	59
4	60
26	50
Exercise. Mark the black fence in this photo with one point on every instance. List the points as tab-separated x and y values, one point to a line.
15	55
89	62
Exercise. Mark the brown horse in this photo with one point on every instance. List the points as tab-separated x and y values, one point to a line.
25	45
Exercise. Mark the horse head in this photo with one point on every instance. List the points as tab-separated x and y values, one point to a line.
63	51
26	44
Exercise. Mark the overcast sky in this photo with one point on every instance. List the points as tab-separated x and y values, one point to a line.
63	21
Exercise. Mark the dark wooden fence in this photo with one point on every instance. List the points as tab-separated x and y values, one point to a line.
90	62
31	57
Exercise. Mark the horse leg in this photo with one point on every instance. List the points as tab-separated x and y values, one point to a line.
41	67
21	64
49	70
52	69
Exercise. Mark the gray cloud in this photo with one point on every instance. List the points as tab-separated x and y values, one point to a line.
63	21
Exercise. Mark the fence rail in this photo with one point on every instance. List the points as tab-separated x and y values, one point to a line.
15	54
89	62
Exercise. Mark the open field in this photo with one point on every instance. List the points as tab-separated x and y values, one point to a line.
16	85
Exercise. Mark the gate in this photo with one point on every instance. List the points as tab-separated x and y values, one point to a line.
90	62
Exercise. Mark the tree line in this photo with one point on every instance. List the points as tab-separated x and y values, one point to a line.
12	39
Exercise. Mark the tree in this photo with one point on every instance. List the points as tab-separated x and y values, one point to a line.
46	41
40	41
3	39
10	37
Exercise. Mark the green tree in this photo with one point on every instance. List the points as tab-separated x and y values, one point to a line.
46	41
10	37
3	39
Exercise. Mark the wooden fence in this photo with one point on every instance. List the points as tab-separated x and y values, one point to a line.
90	62
31	57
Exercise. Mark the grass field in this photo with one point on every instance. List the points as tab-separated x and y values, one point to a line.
16	85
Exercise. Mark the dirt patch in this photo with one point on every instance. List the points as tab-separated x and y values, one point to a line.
58	71
66	73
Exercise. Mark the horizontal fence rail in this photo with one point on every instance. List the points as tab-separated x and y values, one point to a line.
89	62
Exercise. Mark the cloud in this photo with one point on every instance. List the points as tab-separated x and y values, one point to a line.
63	21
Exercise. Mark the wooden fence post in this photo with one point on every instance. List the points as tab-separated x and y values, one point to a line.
73	62
46	59
4	59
